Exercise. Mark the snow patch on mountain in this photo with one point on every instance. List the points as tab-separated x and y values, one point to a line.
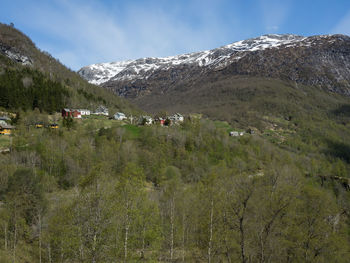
219	57
15	56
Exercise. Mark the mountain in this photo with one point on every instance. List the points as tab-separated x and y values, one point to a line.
317	60
31	77
271	74
217	58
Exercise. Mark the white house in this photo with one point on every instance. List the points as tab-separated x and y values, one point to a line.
101	110
119	116
145	120
177	117
234	133
84	112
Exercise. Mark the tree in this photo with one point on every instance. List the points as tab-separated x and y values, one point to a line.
238	191
171	188
25	202
129	193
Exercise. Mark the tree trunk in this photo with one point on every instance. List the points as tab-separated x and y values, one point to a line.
210	230
172	212
39	217
5	234
241	230
126	238
143	242
49	252
14	244
183	237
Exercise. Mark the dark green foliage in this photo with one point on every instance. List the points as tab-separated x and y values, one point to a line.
53	74
68	122
29	89
26	193
161	184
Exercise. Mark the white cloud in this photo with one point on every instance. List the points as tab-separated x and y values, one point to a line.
272	28
274	13
87	32
343	26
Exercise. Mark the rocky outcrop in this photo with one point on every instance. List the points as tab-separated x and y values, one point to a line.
15	56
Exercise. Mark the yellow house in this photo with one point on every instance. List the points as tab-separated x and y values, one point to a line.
6	129
54	126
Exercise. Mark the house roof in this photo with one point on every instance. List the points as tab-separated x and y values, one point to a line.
102	108
6	126
4	118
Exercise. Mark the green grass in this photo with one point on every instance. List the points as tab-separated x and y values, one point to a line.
223	125
98	121
4	141
133	131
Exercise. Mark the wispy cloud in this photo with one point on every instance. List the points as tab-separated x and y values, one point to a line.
343	26
272	28
274	13
92	33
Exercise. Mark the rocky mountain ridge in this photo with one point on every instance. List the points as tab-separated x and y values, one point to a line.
317	60
144	67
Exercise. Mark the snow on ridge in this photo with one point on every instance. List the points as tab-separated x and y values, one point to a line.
144	67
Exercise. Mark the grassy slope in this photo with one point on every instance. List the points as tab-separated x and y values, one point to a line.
246	100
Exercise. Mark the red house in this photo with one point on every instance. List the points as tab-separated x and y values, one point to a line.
66	113
71	113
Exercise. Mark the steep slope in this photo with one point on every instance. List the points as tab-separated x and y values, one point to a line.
20	58
277	75
316	60
144	68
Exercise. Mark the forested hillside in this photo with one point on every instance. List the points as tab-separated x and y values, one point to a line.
26	72
105	191
29	89
102	190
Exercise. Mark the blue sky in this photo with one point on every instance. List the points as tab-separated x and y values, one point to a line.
80	33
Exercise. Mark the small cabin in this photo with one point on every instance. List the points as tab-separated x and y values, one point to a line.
6	129
234	133
145	120
76	114
39	125
84	112
53	126
4	118
159	121
119	116
66	113
177	117
101	110
71	113
251	131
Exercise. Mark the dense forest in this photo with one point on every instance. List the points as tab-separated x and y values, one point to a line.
104	191
29	89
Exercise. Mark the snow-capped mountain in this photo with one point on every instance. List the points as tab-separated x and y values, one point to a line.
144	67
314	61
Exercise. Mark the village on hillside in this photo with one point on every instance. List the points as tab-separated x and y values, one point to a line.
100	114
120	116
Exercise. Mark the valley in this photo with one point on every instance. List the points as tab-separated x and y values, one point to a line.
254	167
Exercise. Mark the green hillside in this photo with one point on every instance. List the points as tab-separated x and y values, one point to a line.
117	192
102	190
46	72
